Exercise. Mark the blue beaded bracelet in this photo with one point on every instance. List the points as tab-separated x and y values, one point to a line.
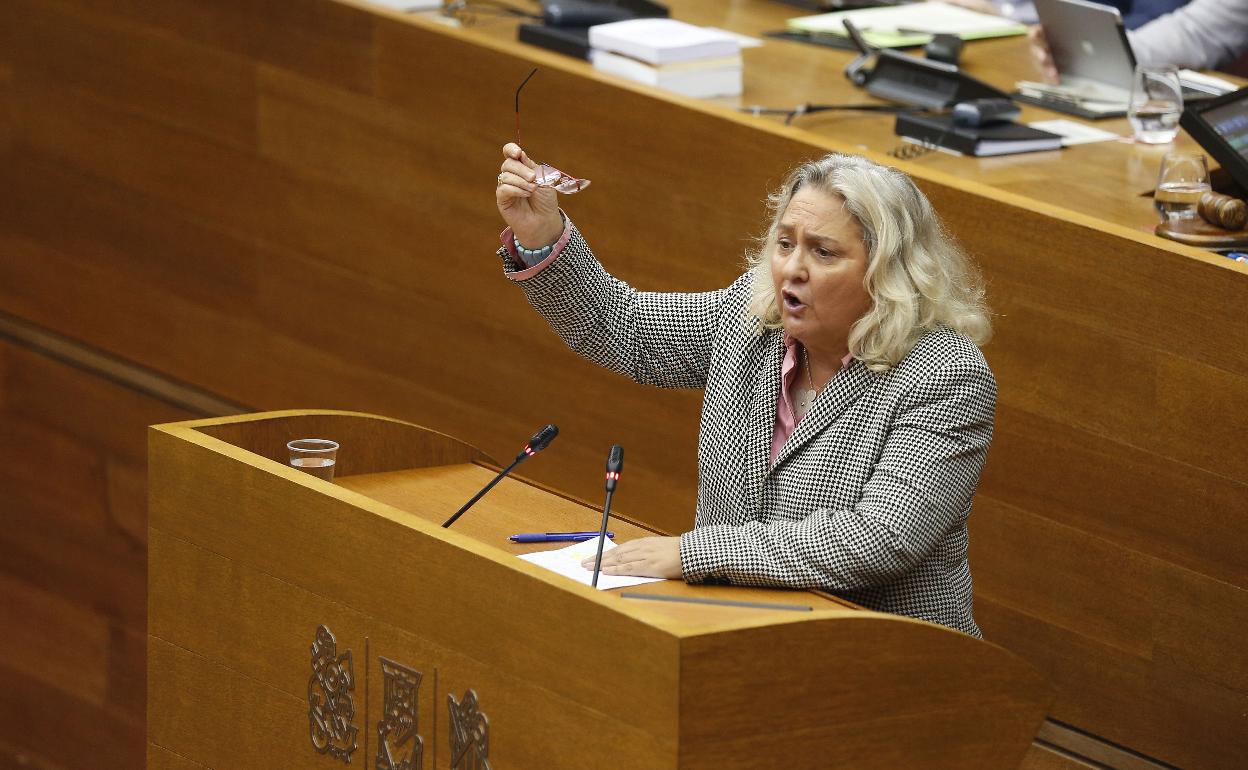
532	256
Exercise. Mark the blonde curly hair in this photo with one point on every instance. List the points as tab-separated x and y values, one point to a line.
917	277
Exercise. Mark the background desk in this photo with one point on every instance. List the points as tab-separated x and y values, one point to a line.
212	206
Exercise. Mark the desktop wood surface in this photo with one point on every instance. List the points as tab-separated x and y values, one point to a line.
1106	180
291	204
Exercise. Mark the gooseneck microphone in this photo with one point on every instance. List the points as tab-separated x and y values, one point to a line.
615	464
540	441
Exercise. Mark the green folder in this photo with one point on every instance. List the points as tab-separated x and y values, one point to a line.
909	25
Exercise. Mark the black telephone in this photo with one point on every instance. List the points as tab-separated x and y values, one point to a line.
981	112
912	80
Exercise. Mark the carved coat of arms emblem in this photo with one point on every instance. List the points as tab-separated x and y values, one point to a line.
399	747
470	734
331	708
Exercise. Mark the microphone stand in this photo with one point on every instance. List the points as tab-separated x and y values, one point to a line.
540	441
519	459
615	463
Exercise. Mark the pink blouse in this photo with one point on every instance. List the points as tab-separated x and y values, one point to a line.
786	417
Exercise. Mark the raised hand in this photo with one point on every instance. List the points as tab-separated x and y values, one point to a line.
531	211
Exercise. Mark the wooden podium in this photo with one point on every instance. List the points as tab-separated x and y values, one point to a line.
295	622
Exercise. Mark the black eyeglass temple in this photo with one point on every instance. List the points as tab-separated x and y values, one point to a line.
521	86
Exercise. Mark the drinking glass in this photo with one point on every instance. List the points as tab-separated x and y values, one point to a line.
1183	178
1156	104
316	456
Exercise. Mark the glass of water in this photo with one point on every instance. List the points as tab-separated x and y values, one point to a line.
1183	178
316	456
1156	104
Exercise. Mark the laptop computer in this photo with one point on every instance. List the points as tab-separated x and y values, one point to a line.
1094	62
1090	49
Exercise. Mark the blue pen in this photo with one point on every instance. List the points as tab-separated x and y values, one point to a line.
555	537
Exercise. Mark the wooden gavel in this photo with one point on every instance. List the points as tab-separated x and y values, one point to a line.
1223	211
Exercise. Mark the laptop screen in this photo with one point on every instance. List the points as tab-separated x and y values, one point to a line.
1088	42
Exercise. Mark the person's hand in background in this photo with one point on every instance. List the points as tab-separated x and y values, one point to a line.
1041	54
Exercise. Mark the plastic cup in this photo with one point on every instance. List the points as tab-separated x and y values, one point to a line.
316	456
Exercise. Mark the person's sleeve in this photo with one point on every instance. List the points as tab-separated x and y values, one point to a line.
516	266
663	339
918	492
1203	34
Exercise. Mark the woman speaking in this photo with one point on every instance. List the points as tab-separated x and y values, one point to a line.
847	410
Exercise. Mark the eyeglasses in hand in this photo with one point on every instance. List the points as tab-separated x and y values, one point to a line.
546	174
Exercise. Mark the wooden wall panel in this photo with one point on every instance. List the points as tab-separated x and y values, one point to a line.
46	725
76	660
98	137
6	107
73	597
170	249
1128	639
111	309
328	41
156	74
1142	395
1184	515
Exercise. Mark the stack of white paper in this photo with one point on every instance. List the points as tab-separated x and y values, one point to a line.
690	60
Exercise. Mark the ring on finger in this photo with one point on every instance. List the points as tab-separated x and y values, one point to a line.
500	177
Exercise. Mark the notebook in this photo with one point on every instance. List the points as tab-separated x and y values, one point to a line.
1004	138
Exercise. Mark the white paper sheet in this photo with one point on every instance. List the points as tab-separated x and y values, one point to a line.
409	5
1073	132
567	562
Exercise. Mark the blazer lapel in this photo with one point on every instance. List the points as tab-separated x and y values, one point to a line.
761	425
845	388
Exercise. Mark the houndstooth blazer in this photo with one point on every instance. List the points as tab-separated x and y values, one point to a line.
867	499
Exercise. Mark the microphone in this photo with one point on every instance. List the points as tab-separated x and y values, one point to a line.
615	464
540	441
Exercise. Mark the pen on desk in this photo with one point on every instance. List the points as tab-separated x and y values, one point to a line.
555	537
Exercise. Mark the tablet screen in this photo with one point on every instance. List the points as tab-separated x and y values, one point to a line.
1230	121
1221	127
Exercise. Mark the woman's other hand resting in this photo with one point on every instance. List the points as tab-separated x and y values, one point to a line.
531	211
646	557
